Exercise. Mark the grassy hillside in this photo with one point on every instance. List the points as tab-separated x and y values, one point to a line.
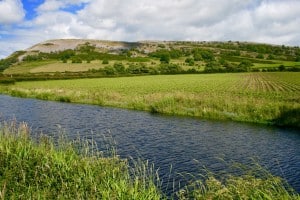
270	98
188	57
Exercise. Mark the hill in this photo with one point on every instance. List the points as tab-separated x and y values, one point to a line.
105	58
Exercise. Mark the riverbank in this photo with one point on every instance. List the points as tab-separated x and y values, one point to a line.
265	98
41	168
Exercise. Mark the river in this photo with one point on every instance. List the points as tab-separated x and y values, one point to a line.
174	144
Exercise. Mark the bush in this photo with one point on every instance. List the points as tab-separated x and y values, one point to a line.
105	62
190	61
170	69
119	68
109	70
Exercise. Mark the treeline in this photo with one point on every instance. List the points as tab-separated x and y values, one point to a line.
289	53
119	70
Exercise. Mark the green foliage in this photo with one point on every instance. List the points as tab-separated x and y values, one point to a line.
138	59
170	69
119	68
162	54
270	57
66	54
175	53
105	62
190	61
31	58
86	48
281	68
109	70
201	54
137	69
260	56
244	66
213	66
9	61
165	58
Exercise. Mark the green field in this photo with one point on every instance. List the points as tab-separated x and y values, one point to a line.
269	98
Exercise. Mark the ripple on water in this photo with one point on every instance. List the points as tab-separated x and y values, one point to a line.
186	144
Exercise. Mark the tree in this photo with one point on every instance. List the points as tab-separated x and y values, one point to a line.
245	66
190	61
165	58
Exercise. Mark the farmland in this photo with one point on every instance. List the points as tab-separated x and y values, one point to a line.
268	98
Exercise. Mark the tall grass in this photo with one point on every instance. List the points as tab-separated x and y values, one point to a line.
267	98
41	168
254	182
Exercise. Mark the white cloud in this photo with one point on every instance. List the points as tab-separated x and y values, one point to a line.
269	21
11	12
51	5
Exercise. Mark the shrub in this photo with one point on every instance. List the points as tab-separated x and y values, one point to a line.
170	69
105	62
119	67
190	61
109	70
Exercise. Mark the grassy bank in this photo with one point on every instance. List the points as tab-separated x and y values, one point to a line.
44	169
68	170
269	98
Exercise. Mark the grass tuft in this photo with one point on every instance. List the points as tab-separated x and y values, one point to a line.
44	169
254	182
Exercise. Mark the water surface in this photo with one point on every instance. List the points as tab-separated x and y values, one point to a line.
186	144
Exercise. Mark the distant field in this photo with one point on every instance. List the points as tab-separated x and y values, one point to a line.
277	63
70	67
25	67
251	97
53	66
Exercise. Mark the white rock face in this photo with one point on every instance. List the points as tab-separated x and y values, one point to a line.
63	44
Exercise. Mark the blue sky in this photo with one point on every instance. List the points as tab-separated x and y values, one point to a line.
24	23
30	6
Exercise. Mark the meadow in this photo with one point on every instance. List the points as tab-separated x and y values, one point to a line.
267	98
